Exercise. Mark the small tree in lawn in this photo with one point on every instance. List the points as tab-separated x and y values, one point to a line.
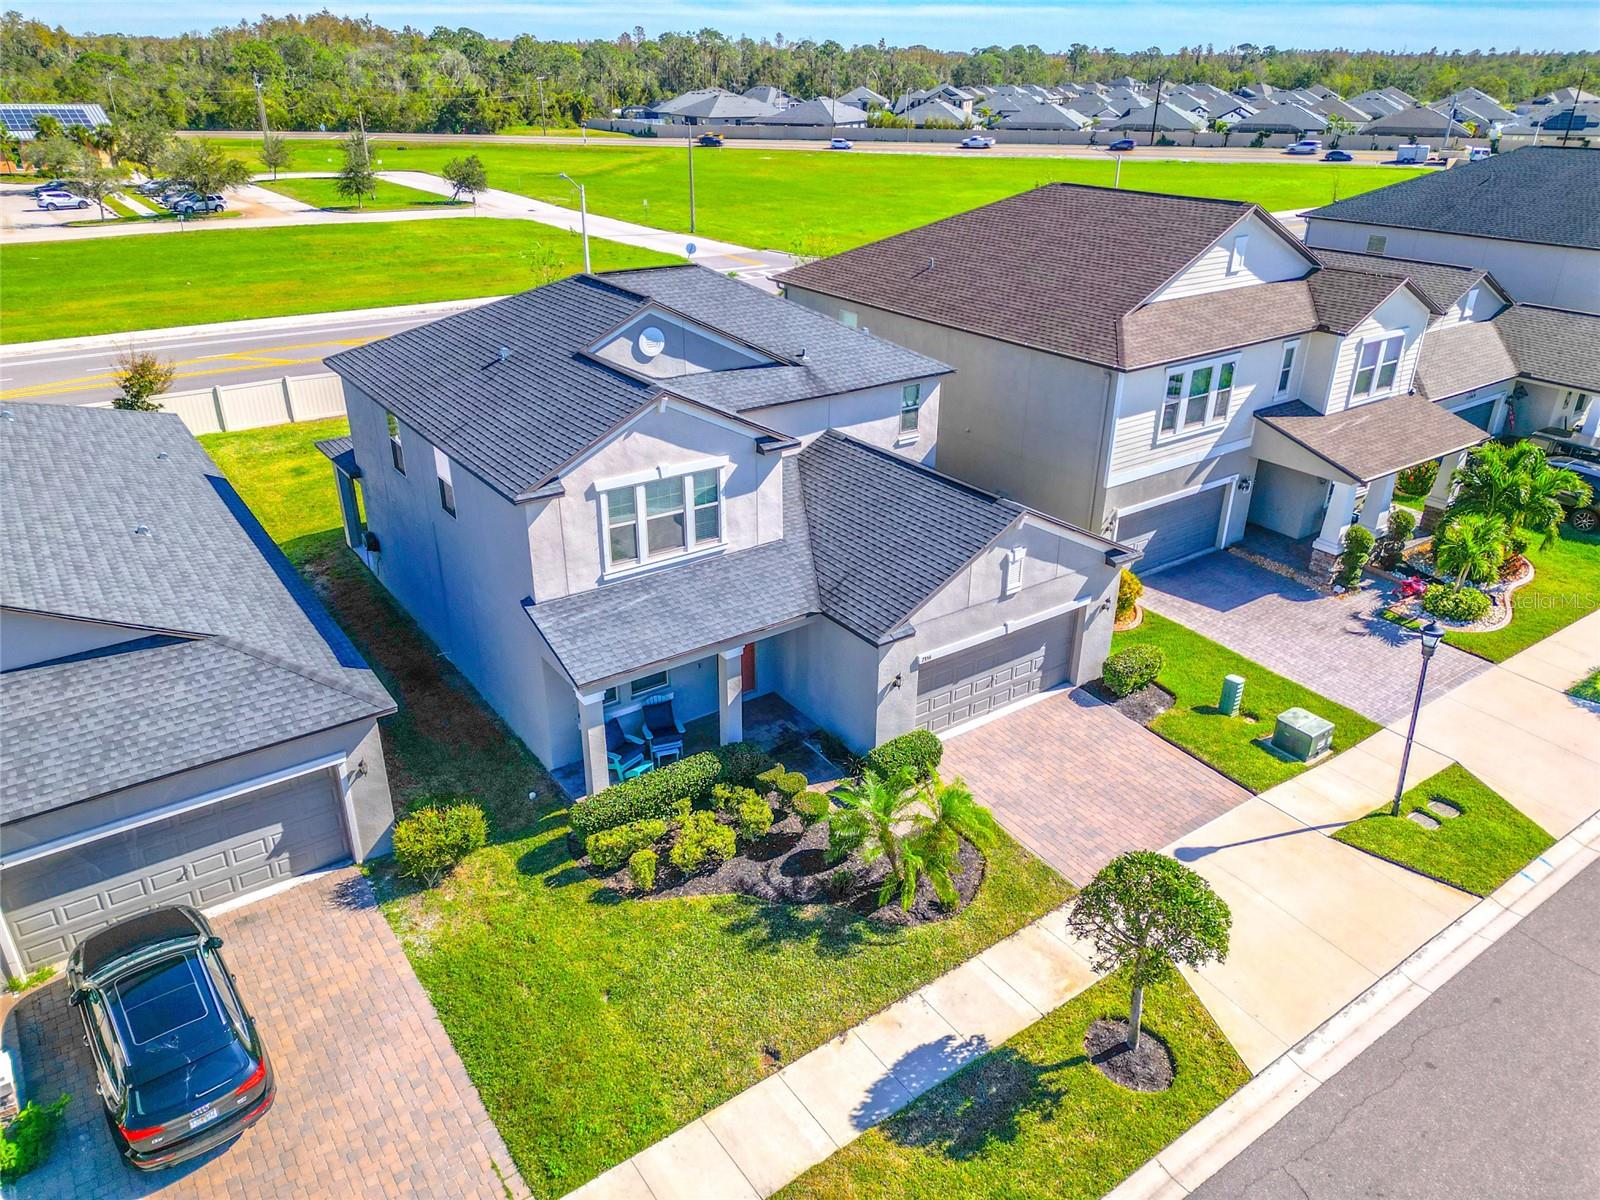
879	816
357	179
1148	913
274	153
141	375
96	181
466	175
1471	548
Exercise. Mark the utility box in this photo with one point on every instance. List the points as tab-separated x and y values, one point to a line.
1232	695
1302	735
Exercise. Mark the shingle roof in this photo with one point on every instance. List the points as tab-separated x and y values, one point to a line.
341	451
1461	358
514	421
1553	345
1441	285
75	484
1417	121
1540	194
1344	299
1371	440
1294	118
821	111
1191	326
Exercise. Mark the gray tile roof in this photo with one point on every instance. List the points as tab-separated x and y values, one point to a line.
515	421
1371	440
1461	358
1540	194
1440	284
1552	345
75	484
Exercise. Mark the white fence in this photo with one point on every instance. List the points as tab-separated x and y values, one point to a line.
253	405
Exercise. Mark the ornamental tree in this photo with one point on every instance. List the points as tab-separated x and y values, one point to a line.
1148	913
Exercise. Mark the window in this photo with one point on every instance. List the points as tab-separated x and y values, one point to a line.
679	513
397	453
646	684
910	407
1468	303
1236	255
447	487
1197	396
1286	370
847	318
1376	367
1377	243
610	696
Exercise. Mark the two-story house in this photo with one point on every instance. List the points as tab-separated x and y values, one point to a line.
651	481
1161	369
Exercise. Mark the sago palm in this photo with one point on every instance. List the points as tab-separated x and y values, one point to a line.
1471	548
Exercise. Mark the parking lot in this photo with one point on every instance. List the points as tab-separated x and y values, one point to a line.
19	211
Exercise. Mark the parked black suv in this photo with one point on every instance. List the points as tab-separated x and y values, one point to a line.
179	1064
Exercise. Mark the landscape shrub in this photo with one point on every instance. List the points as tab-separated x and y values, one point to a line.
742	763
701	840
1128	670
642	866
1417	480
919	751
835	751
726	798
753	818
653	794
29	1137
811	806
438	835
1129	589
1468	604
1522	540
1392	545
610	848
1358	542
785	782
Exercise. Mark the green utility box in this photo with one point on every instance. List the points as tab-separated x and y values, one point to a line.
1302	735
1232	695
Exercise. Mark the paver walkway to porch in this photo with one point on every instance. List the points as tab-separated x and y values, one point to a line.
1336	645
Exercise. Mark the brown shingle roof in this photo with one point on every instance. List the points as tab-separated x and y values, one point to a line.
1344	299
1439	284
1461	358
1553	345
1371	440
1171	330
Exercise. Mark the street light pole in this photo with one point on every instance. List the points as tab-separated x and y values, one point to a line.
691	179
583	218
1432	634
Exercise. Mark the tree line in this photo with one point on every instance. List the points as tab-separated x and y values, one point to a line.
322	71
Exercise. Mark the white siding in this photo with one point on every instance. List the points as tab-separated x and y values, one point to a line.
1402	313
1268	258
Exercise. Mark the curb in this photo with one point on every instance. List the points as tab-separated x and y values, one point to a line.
1217	1138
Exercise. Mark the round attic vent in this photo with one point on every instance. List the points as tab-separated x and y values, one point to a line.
651	341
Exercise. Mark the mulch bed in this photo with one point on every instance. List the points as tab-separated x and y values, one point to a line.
789	866
1147	1069
1143	706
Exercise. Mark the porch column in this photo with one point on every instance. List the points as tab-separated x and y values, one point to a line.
730	695
349	510
1341	512
592	735
1591	418
1439	496
1380	499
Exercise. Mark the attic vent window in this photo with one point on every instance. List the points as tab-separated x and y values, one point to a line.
7	415
651	341
162	456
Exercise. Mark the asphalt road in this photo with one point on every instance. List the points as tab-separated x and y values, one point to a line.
1490	1090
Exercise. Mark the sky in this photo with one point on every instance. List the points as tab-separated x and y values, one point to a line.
944	24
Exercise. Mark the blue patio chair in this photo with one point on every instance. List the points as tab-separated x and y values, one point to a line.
662	728
625	754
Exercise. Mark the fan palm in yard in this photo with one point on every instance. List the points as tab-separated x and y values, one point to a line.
1518	485
1471	548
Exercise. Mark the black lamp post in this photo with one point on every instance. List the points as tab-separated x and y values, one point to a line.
1432	635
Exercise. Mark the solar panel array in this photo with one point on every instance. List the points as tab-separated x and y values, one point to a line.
24	118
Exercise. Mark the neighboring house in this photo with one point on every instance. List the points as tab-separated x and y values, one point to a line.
1283	118
1473	107
1333	108
1161	369
821	113
1043	116
1375	104
939	111
1162	118
1420	124
707	106
664	481
183	722
774	97
864	97
21	121
1528	215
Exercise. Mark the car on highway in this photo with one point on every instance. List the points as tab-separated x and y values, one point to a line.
840	144
709	139
1338	156
1305	146
977	142
61	198
1585	518
1122	144
193	203
179	1065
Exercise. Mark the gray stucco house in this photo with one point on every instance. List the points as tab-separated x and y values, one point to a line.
663	480
182	721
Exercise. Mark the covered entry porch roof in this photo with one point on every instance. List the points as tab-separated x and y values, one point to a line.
1361	444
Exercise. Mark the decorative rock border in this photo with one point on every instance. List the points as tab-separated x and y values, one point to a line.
1132	623
1498	617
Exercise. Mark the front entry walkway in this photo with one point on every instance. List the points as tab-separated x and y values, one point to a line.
1078	783
1336	645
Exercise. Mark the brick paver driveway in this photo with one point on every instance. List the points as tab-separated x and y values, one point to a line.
1336	645
372	1100
1078	783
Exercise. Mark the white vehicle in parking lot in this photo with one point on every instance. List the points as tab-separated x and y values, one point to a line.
57	198
193	203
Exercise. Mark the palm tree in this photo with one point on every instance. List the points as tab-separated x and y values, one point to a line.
880	816
1518	485
1545	499
1471	547
952	814
951	807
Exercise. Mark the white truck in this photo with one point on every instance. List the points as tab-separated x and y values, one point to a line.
1412	154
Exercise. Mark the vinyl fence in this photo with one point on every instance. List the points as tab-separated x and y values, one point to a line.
253	405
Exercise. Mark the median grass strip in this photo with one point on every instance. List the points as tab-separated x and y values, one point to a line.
1477	850
1036	1118
1193	673
591	1028
1587	689
387	197
1565	586
62	289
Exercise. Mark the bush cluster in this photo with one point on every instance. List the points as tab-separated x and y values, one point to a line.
1389	548
1129	589
436	836
1468	604
1358	542
785	782
742	763
1418	480
919	751
653	794
752	818
642	866
700	840
28	1138
610	848
811	806
1128	670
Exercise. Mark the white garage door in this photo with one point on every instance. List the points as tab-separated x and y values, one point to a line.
199	858
1176	530
961	686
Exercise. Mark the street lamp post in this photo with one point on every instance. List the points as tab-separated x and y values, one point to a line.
691	179
1432	634
583	218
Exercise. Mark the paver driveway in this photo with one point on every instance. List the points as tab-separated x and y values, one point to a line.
1336	645
372	1100
1078	783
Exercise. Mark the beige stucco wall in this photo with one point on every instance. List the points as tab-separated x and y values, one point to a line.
870	415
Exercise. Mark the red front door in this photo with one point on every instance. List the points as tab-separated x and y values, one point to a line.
747	668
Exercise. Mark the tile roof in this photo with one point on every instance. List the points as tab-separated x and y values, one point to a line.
1441	285
1541	194
1463	357
75	485
1371	440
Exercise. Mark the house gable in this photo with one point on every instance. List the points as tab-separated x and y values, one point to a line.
1266	254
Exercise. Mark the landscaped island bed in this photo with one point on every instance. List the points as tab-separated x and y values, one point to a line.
1565	586
324	192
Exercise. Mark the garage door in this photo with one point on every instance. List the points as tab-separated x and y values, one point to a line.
1177	530
199	858
961	686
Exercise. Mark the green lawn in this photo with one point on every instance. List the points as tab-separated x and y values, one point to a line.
1566	586
61	289
1193	673
591	1028
1587	689
1478	851
1036	1119
389	197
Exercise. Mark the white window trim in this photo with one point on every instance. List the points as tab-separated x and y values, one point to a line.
1183	428
1236	254
1377	368
693	548
906	436
1292	346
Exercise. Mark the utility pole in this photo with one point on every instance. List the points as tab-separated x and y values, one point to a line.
543	124
261	110
111	94
1155	108
691	178
1572	113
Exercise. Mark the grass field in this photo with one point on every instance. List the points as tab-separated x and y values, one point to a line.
389	197
1566	586
109	285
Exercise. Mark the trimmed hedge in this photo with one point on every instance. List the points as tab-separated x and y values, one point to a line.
1469	604
1128	670
727	798
785	782
811	807
742	763
1358	543
642	866
652	794
610	848
919	751
1129	589
701	839
434	838
752	818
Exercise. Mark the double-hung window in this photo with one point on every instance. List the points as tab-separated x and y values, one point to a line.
1377	365
910	407
397	453
1197	396
662	517
1286	370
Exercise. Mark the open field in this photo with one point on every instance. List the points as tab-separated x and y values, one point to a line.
389	197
